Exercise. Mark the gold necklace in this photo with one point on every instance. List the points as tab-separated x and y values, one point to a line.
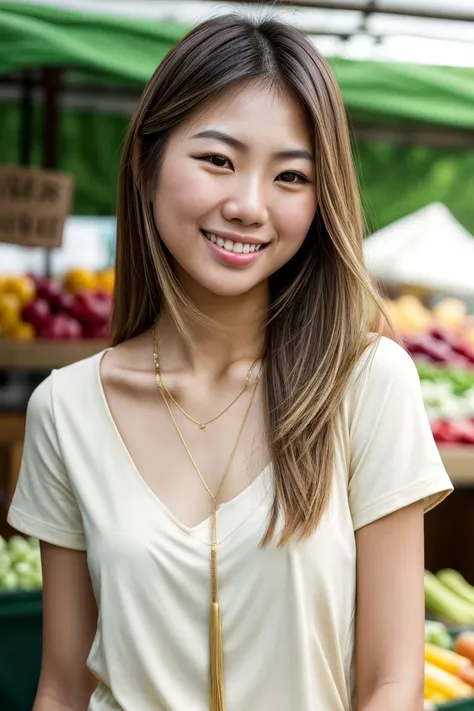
216	658
162	385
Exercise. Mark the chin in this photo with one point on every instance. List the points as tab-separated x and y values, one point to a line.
230	288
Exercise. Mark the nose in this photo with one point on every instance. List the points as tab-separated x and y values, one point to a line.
246	204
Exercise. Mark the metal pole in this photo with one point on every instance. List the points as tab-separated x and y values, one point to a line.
26	118
51	80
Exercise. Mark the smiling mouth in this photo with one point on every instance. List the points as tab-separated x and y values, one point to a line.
231	246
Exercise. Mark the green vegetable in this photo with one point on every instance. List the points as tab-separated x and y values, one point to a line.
437	633
20	564
441	601
457	584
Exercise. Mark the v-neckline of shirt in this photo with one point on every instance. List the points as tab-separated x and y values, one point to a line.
258	482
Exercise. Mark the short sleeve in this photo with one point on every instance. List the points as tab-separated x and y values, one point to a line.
394	459
44	505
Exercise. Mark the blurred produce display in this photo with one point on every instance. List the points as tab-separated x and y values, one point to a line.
449	597
444	334
20	564
449	654
441	341
75	307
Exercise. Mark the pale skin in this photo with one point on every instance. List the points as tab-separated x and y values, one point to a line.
249	190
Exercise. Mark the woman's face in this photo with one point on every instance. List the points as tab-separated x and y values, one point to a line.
235	196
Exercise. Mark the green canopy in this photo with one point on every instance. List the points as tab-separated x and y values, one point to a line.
395	179
128	50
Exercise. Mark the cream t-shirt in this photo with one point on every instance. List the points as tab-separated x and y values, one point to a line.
288	614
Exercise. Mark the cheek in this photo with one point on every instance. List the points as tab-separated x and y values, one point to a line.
182	194
293	219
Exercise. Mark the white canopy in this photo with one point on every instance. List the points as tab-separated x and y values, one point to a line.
428	248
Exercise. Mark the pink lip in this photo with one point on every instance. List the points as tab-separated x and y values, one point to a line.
235	258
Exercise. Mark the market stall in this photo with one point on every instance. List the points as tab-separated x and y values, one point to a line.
70	77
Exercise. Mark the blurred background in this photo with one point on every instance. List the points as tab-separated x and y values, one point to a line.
71	72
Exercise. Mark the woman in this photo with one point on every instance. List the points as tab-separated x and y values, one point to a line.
215	491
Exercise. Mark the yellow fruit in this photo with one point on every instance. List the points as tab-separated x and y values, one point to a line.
21	332
22	286
450	312
105	280
412	316
80	280
10	310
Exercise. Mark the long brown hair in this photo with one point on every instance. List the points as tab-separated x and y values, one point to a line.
318	322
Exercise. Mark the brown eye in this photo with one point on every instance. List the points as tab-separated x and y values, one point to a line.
290	177
217	160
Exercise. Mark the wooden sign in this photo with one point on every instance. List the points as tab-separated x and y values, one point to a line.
34	205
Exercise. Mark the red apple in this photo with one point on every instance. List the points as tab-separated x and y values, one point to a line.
61	327
37	312
63	303
72	328
91	311
463	431
49	289
444	432
52	329
102	294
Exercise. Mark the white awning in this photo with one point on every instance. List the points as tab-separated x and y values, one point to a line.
428	248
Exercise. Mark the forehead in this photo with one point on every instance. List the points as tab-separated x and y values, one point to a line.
254	113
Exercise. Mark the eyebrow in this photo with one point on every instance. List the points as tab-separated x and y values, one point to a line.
288	154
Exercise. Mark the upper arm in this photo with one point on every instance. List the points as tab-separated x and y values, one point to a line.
69	625
395	474
390	604
45	506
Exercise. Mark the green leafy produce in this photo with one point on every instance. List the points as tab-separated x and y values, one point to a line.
20	564
437	633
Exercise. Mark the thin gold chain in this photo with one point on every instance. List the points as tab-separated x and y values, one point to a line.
162	385
216	659
215	496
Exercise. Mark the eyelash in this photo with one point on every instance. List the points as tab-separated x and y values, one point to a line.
209	156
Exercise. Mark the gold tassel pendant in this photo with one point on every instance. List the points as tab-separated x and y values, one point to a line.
216	671
216	652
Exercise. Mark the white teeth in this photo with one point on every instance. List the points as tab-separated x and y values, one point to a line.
230	246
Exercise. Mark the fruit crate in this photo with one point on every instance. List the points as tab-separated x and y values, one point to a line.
20	648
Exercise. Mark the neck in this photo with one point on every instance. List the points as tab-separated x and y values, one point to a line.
236	332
